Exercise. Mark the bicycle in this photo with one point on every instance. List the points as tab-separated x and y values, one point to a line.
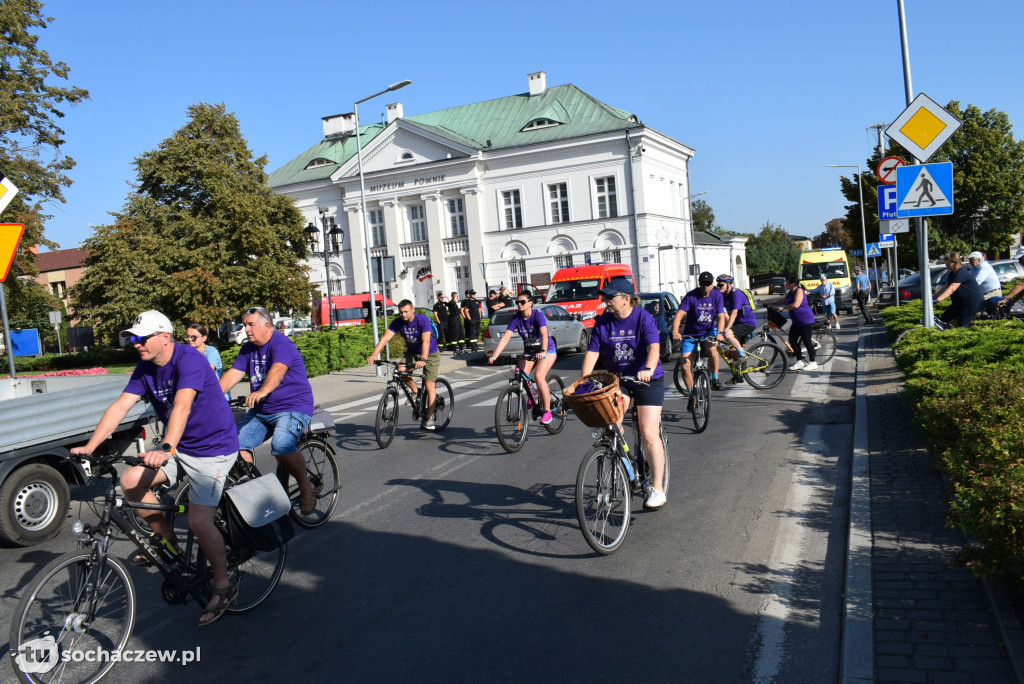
823	338
520	401
700	395
85	600
937	323
321	468
764	367
386	422
610	475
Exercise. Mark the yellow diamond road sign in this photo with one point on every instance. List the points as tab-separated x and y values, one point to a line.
923	127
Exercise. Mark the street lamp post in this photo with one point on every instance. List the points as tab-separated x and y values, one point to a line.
366	225
860	191
325	254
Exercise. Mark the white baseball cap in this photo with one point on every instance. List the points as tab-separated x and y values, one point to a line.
149	323
976	255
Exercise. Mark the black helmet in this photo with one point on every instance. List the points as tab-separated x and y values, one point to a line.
706	278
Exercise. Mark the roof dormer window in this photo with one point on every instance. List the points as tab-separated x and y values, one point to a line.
320	161
405	158
539	123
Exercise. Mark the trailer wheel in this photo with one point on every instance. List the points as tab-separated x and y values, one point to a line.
33	505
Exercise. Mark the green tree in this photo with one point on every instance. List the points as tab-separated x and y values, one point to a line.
201	238
32	101
771	252
835	235
704	217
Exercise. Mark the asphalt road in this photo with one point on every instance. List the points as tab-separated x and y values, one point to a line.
450	560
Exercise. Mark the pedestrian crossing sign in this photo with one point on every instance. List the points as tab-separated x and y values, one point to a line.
874	250
925	190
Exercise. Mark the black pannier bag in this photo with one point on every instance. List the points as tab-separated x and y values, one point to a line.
256	514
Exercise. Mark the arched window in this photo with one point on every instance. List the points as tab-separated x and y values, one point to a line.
405	157
320	161
540	123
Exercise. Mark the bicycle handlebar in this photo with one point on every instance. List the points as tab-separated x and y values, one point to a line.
109	461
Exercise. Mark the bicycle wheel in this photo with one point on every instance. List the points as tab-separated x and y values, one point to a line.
387	418
766	365
322	471
444	404
511	419
677	376
701	398
603	500
558	414
54	619
825	345
254	573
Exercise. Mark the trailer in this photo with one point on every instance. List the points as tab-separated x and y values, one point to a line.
41	420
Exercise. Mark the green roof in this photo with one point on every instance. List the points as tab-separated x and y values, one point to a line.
491	125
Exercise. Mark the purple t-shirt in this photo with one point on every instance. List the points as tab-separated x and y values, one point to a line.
802	315
294	394
529	329
413	333
701	311
737	300
210	428
623	342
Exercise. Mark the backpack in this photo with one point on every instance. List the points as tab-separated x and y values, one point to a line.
749	306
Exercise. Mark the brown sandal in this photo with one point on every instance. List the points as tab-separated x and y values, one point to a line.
224	598
140	561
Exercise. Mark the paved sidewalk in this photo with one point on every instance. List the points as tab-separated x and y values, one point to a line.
928	621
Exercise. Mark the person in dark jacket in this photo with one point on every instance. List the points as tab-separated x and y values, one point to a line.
456	332
441	318
471	314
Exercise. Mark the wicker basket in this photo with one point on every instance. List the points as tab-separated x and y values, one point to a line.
600	408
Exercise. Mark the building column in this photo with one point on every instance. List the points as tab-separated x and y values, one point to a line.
436	226
360	277
476	226
394	233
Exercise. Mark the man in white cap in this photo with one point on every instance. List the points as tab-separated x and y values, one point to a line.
199	440
985	275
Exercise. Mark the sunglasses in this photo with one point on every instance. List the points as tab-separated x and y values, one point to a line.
140	339
523	302
721	285
191	338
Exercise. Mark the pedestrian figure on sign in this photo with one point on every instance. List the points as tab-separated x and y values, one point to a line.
926	190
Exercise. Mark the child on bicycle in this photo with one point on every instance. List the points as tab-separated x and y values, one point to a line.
532	327
627	336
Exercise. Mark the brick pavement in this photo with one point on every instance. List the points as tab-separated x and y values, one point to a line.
932	622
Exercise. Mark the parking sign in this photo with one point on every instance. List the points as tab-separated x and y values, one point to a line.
887	207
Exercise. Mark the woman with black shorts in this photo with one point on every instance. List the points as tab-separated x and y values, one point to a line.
627	337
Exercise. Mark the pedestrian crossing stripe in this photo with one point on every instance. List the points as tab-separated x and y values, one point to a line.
925	190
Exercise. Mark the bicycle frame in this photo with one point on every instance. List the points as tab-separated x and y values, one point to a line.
612	438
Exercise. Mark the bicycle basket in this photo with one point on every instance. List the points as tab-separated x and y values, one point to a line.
256	513
599	408
776	317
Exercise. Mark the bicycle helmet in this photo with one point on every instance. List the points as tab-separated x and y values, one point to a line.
725	278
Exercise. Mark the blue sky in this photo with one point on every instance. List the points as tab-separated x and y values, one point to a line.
767	93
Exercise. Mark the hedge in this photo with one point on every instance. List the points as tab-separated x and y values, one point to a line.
967	389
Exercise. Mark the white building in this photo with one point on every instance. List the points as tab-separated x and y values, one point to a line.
503	192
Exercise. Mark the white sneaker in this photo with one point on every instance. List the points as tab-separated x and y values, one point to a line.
798	365
813	365
656	499
837	326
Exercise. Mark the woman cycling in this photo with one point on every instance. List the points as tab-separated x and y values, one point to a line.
196	336
628	339
802	323
532	326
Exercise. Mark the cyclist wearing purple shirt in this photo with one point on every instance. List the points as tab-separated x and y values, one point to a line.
280	400
802	325
627	337
703	310
740	319
532	326
183	390
421	351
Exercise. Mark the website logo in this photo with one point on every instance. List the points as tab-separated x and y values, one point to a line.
38	656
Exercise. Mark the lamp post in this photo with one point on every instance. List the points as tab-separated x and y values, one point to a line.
328	251
366	225
693	239
860	190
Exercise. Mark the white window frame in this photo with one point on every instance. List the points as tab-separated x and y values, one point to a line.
558	207
456	208
417	225
605	195
378	234
563	260
516	272
511	212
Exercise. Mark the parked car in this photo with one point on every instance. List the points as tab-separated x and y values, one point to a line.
566	329
777	286
293	326
1007	269
237	334
666	308
910	287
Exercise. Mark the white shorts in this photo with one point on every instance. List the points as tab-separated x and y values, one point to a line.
206	475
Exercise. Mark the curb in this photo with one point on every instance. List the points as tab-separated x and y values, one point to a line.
857	650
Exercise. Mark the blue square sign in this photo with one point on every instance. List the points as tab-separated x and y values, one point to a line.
925	190
887	203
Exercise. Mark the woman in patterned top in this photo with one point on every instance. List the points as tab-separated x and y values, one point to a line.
532	326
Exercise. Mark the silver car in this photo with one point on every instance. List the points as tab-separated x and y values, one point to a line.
563	327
